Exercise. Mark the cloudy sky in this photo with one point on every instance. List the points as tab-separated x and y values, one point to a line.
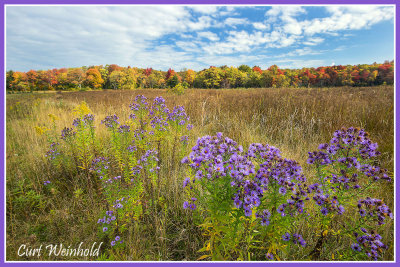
162	37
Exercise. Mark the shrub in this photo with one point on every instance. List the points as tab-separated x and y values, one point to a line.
178	89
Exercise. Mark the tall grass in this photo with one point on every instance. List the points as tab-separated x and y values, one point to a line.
294	120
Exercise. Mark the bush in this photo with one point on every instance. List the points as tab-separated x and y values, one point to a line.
178	89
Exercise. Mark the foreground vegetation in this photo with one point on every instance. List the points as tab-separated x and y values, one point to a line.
60	200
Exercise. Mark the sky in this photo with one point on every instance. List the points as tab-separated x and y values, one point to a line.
196	37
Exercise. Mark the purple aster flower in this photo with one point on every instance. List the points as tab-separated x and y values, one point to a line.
324	211
248	212
355	247
282	190
237	202
286	237
186	182
269	256
264	221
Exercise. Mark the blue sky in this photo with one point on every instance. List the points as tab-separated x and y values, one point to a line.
162	37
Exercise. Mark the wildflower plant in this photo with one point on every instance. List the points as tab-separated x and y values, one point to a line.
249	199
132	185
346	170
82	141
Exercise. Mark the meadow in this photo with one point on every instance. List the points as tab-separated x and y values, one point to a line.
296	121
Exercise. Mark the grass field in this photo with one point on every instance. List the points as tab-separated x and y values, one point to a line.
294	120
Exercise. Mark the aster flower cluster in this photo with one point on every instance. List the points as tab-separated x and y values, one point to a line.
119	203
374	209
184	139
140	104
159	117
111	121
124	129
107	219
149	158
296	239
116	239
88	118
368	243
101	166
67	133
158	107
342	166
352	150
53	152
107	223
327	203
190	204
85	120
216	157
264	216
112	180
178	115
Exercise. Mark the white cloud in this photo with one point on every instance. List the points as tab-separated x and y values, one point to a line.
297	63
218	60
287	15
236	21
293	28
261	26
209	35
313	41
204	9
202	23
237	41
285	12
347	18
243	41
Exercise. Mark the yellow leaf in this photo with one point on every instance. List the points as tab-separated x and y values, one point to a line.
325	232
203	257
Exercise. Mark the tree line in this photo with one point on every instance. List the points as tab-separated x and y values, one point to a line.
117	77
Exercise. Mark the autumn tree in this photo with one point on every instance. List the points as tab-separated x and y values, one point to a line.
93	78
124	79
209	78
19	81
76	77
31	79
244	68
190	75
9	80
